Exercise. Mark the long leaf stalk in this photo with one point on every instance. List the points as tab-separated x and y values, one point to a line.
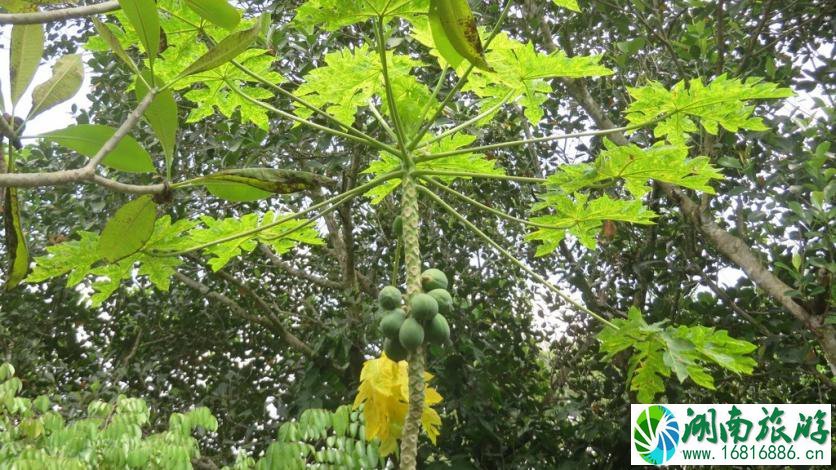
513	259
336	200
462	80
468	174
492	210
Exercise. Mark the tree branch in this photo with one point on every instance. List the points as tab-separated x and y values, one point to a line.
241	312
58	15
277	261
88	171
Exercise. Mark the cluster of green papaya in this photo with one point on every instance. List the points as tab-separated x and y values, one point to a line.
425	322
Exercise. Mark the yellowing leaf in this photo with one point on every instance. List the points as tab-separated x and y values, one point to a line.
384	389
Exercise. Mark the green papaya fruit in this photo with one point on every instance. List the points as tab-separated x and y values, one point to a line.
397	226
411	335
438	331
445	301
389	297
423	307
433	279
391	323
394	350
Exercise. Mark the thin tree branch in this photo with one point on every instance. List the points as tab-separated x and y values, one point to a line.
58	15
243	313
276	261
87	172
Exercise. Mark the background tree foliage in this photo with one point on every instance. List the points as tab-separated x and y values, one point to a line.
524	386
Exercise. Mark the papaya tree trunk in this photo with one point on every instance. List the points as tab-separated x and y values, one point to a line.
412	260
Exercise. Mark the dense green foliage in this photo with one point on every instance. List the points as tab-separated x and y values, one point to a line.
185	323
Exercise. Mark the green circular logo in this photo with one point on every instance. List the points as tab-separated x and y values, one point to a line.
656	434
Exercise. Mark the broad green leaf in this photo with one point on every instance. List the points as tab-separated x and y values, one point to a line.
568	4
106	33
226	50
27	47
129	229
67	75
87	139
217	95
218	12
142	14
249	184
15	240
162	116
453	25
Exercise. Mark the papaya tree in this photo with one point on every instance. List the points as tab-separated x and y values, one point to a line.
389	93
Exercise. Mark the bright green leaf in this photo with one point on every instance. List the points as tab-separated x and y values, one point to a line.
67	76
226	50
218	12
568	4
106	33
27	47
87	139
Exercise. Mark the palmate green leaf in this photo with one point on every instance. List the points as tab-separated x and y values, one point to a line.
568	4
277	237
80	258
27	47
635	167
723	102
334	14
87	139
215	93
66	79
351	78
467	162
582	218
523	72
659	350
